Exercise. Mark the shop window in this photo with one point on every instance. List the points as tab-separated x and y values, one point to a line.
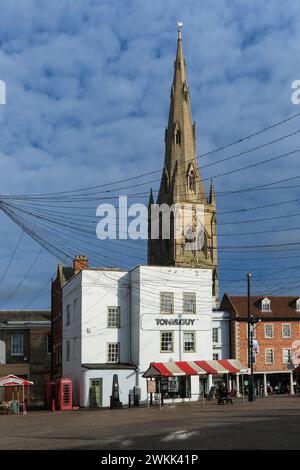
17	345
174	387
189	341
113	317
166	341
269	330
167	303
113	352
189	302
286	356
269	356
286	330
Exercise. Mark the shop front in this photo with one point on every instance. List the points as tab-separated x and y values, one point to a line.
274	383
193	380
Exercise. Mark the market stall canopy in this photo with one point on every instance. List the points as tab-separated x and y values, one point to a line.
13	381
223	366
169	369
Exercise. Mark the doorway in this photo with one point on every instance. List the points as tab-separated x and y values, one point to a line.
95	393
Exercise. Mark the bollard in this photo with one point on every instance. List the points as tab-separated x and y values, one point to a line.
24	408
129	400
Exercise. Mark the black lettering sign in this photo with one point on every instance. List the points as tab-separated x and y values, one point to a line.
175	321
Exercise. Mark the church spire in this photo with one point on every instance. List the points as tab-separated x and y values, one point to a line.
181	185
180	141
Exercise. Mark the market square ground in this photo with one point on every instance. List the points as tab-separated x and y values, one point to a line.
269	423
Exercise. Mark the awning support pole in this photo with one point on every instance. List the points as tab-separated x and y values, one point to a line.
159	392
243	388
147	394
237	384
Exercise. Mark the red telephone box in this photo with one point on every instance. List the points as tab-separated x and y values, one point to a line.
64	394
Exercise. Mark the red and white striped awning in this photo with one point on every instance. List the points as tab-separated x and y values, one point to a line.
169	369
13	381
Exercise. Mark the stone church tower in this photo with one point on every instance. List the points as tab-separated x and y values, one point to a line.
181	184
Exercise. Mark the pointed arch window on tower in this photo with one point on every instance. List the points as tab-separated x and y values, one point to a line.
191	181
178	137
165	181
205	244
165	184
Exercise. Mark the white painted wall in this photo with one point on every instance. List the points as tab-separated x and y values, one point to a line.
126	377
221	320
101	289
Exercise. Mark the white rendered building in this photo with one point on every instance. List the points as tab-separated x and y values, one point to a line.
118	322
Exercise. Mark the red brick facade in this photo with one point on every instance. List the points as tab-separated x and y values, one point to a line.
277	332
64	273
277	343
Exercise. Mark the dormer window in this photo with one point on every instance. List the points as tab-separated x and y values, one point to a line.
178	137
298	305
266	305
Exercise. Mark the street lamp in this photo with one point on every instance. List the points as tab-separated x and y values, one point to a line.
251	320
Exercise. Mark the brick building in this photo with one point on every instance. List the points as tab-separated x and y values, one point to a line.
277	335
64	274
25	348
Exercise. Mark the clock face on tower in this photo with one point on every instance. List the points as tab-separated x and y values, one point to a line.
193	238
190	234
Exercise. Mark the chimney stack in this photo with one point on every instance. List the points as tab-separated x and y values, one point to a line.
80	262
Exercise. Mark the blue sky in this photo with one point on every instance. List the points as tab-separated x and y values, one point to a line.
88	86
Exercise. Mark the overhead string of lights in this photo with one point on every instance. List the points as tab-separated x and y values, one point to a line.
42	216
